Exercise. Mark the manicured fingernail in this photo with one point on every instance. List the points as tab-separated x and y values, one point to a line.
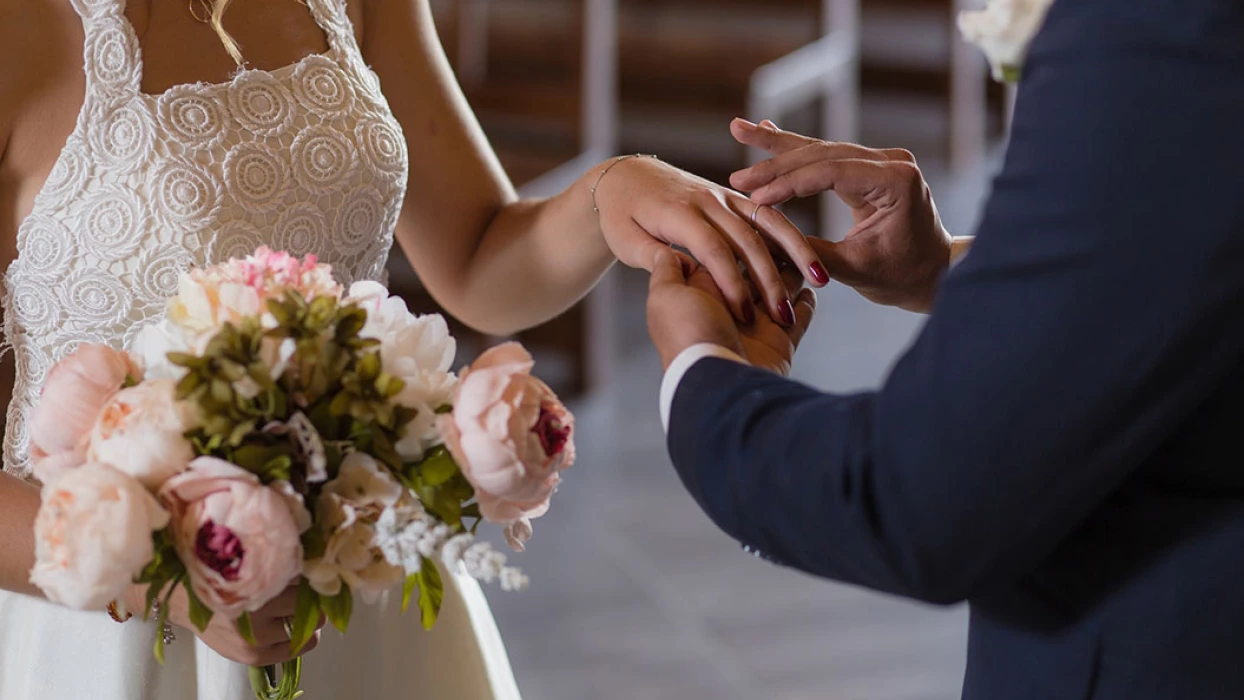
819	273
749	313
787	311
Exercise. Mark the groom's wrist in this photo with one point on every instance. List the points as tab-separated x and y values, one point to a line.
679	368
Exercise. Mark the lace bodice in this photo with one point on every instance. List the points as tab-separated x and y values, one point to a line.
307	159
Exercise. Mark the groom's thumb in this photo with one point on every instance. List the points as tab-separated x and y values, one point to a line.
667	268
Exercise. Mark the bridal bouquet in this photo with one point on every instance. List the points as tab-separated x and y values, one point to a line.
274	429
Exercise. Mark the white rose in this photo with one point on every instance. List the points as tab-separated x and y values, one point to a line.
93	535
419	350
1003	30
153	344
141	432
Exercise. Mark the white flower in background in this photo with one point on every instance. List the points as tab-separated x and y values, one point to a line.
416	349
1003	30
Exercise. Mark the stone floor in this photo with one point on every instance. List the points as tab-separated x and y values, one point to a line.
636	596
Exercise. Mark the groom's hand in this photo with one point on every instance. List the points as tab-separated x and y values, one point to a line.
898	249
686	308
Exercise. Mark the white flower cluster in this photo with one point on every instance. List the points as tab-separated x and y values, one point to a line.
406	534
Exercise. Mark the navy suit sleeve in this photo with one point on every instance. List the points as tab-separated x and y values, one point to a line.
1101	303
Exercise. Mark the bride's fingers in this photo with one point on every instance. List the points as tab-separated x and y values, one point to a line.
750	247
764	172
711	249
778	230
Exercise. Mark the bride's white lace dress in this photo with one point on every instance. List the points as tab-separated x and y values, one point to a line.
307	159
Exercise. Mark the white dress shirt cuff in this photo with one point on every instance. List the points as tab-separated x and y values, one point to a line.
678	368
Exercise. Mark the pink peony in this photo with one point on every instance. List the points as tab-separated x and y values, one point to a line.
75	393
141	432
93	535
511	436
238	538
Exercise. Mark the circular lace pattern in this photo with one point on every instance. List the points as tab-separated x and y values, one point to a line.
158	272
111	50
320	86
260	103
124	136
98	299
256	175
302	230
65	344
112	223
193	115
238	240
184	193
35	307
358	220
324	159
46	244
384	145
32	367
68	175
17	437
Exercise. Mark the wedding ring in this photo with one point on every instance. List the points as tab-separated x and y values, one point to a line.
288	624
755	212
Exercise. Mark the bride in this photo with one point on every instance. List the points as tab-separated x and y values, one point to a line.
139	139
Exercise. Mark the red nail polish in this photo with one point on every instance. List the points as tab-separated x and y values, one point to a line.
749	313
686	267
787	311
819	273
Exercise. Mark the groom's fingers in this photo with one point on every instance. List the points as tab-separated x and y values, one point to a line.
667	269
765	172
854	181
767	136
805	309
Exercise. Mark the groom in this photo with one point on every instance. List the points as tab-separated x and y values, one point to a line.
1061	445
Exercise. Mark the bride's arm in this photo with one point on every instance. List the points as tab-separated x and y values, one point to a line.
501	264
19	501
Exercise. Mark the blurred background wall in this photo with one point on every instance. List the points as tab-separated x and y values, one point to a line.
634	593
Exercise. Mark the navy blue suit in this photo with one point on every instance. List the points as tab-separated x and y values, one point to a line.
1061	446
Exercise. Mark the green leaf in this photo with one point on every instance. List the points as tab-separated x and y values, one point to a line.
431	593
338	608
245	629
306	616
438	467
412	582
200	614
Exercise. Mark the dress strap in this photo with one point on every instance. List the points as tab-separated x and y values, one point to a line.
111	56
333	18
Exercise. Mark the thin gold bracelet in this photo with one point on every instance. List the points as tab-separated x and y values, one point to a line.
607	168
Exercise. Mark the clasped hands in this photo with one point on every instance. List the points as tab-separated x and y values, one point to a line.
895	254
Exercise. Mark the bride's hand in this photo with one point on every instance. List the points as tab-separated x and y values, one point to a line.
646	205
268	624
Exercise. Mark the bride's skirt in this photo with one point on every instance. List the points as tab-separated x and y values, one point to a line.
51	653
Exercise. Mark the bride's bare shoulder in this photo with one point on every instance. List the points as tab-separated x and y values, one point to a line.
40	42
40	53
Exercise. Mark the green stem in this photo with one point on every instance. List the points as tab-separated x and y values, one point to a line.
266	686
